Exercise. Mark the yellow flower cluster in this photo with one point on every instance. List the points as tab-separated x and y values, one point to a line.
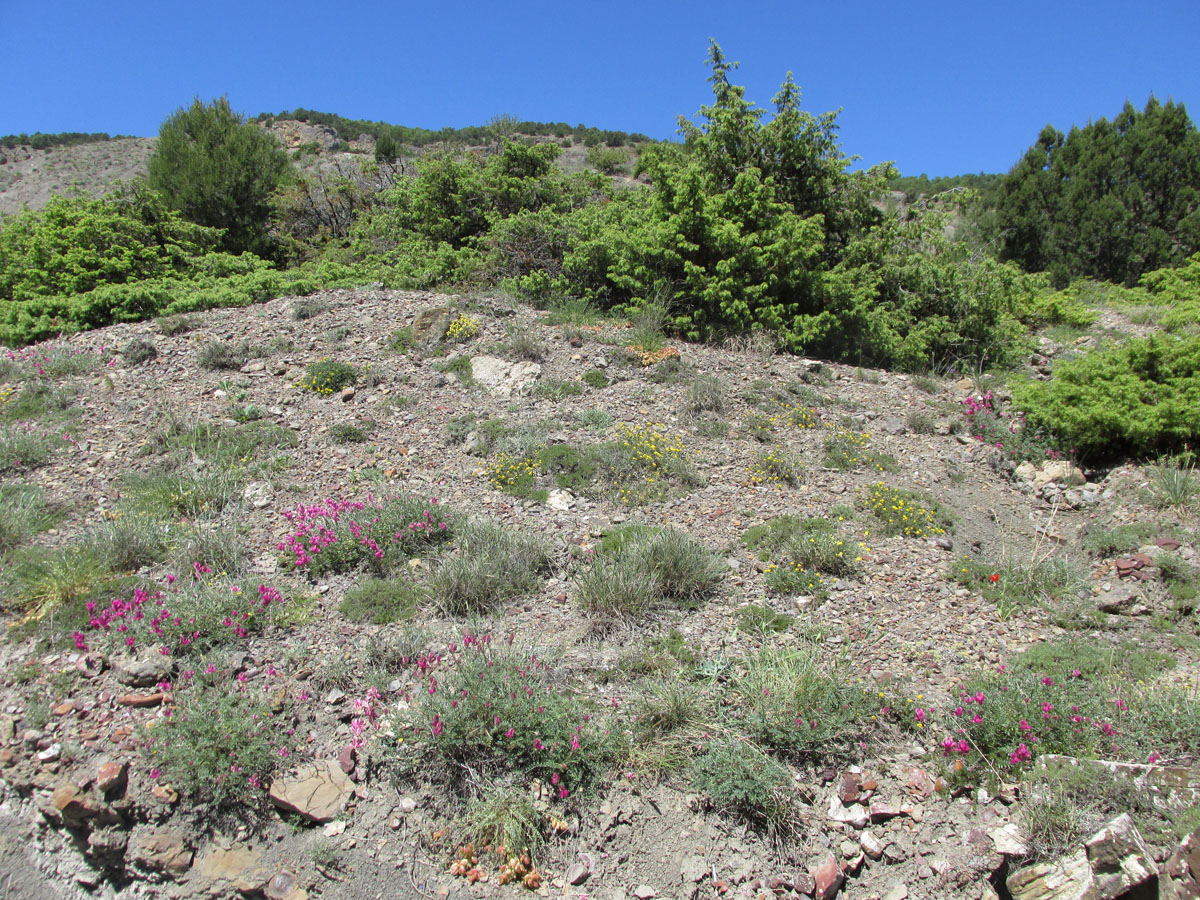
899	512
507	470
650	357
650	446
463	328
774	467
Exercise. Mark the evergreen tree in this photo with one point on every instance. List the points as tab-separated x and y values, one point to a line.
219	171
1113	200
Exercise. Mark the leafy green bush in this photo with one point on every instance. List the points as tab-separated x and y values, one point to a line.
1134	399
740	779
491	564
382	601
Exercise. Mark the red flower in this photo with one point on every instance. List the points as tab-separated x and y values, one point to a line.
994	577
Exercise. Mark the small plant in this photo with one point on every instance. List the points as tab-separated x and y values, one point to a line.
170	326
338	334
596	419
505	821
1174	484
921	422
401	340
490	566
1006	430
324	853
595	378
556	389
23	513
1105	543
926	384
776	467
382	601
462	329
524	344
742	780
221	355
516	476
1013	586
326	376
760	427
706	394
846	450
348	433
247	413
342	535
24	446
644	461
762	620
640	568
902	512
307	308
220	744
503	714
39	581
139	351
713	428
458	366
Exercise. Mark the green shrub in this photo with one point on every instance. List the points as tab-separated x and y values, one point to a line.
776	467
762	619
170	326
23	513
903	512
1013	586
846	450
218	746
490	565
221	355
347	433
742	780
1138	398
791	702
503	714
382	601
595	378
327	376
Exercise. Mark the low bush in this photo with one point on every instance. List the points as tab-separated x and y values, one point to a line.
741	780
901	512
776	467
382	601
139	351
490	565
503	714
846	450
327	376
1139	398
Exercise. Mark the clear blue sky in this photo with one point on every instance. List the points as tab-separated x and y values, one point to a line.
936	87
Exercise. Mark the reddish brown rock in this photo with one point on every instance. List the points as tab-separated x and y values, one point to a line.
851	788
64	708
112	776
827	878
919	783
143	701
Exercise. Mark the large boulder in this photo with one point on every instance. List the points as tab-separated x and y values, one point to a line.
316	790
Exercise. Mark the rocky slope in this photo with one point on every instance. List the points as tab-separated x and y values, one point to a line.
84	815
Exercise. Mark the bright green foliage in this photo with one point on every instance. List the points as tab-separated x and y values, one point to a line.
1112	200
435	228
758	224
1139	398
1179	290
75	245
219	171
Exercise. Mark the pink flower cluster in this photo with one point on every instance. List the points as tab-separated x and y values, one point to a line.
317	527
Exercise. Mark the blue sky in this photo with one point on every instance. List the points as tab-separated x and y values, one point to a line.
936	87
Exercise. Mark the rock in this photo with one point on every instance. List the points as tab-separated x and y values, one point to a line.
107	846
502	377
141	672
1069	878
1008	841
112	776
407	805
281	887
72	803
162	851
315	790
8	729
347	394
1121	601
920	784
827	878
892	425
804	883
871	845
644	892
881	811
1119	858
897	892
346	760
854	814
50	754
334	828
1181	875
851	788
258	494
232	864
578	873
1059	472
142	701
475	444
430	325
1026	471
560	500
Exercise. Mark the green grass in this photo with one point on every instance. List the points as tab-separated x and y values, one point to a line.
1014	585
24	513
1104	542
382	601
490	565
706	394
24	446
556	389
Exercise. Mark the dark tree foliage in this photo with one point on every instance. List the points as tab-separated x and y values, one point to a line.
1112	200
39	141
219	171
